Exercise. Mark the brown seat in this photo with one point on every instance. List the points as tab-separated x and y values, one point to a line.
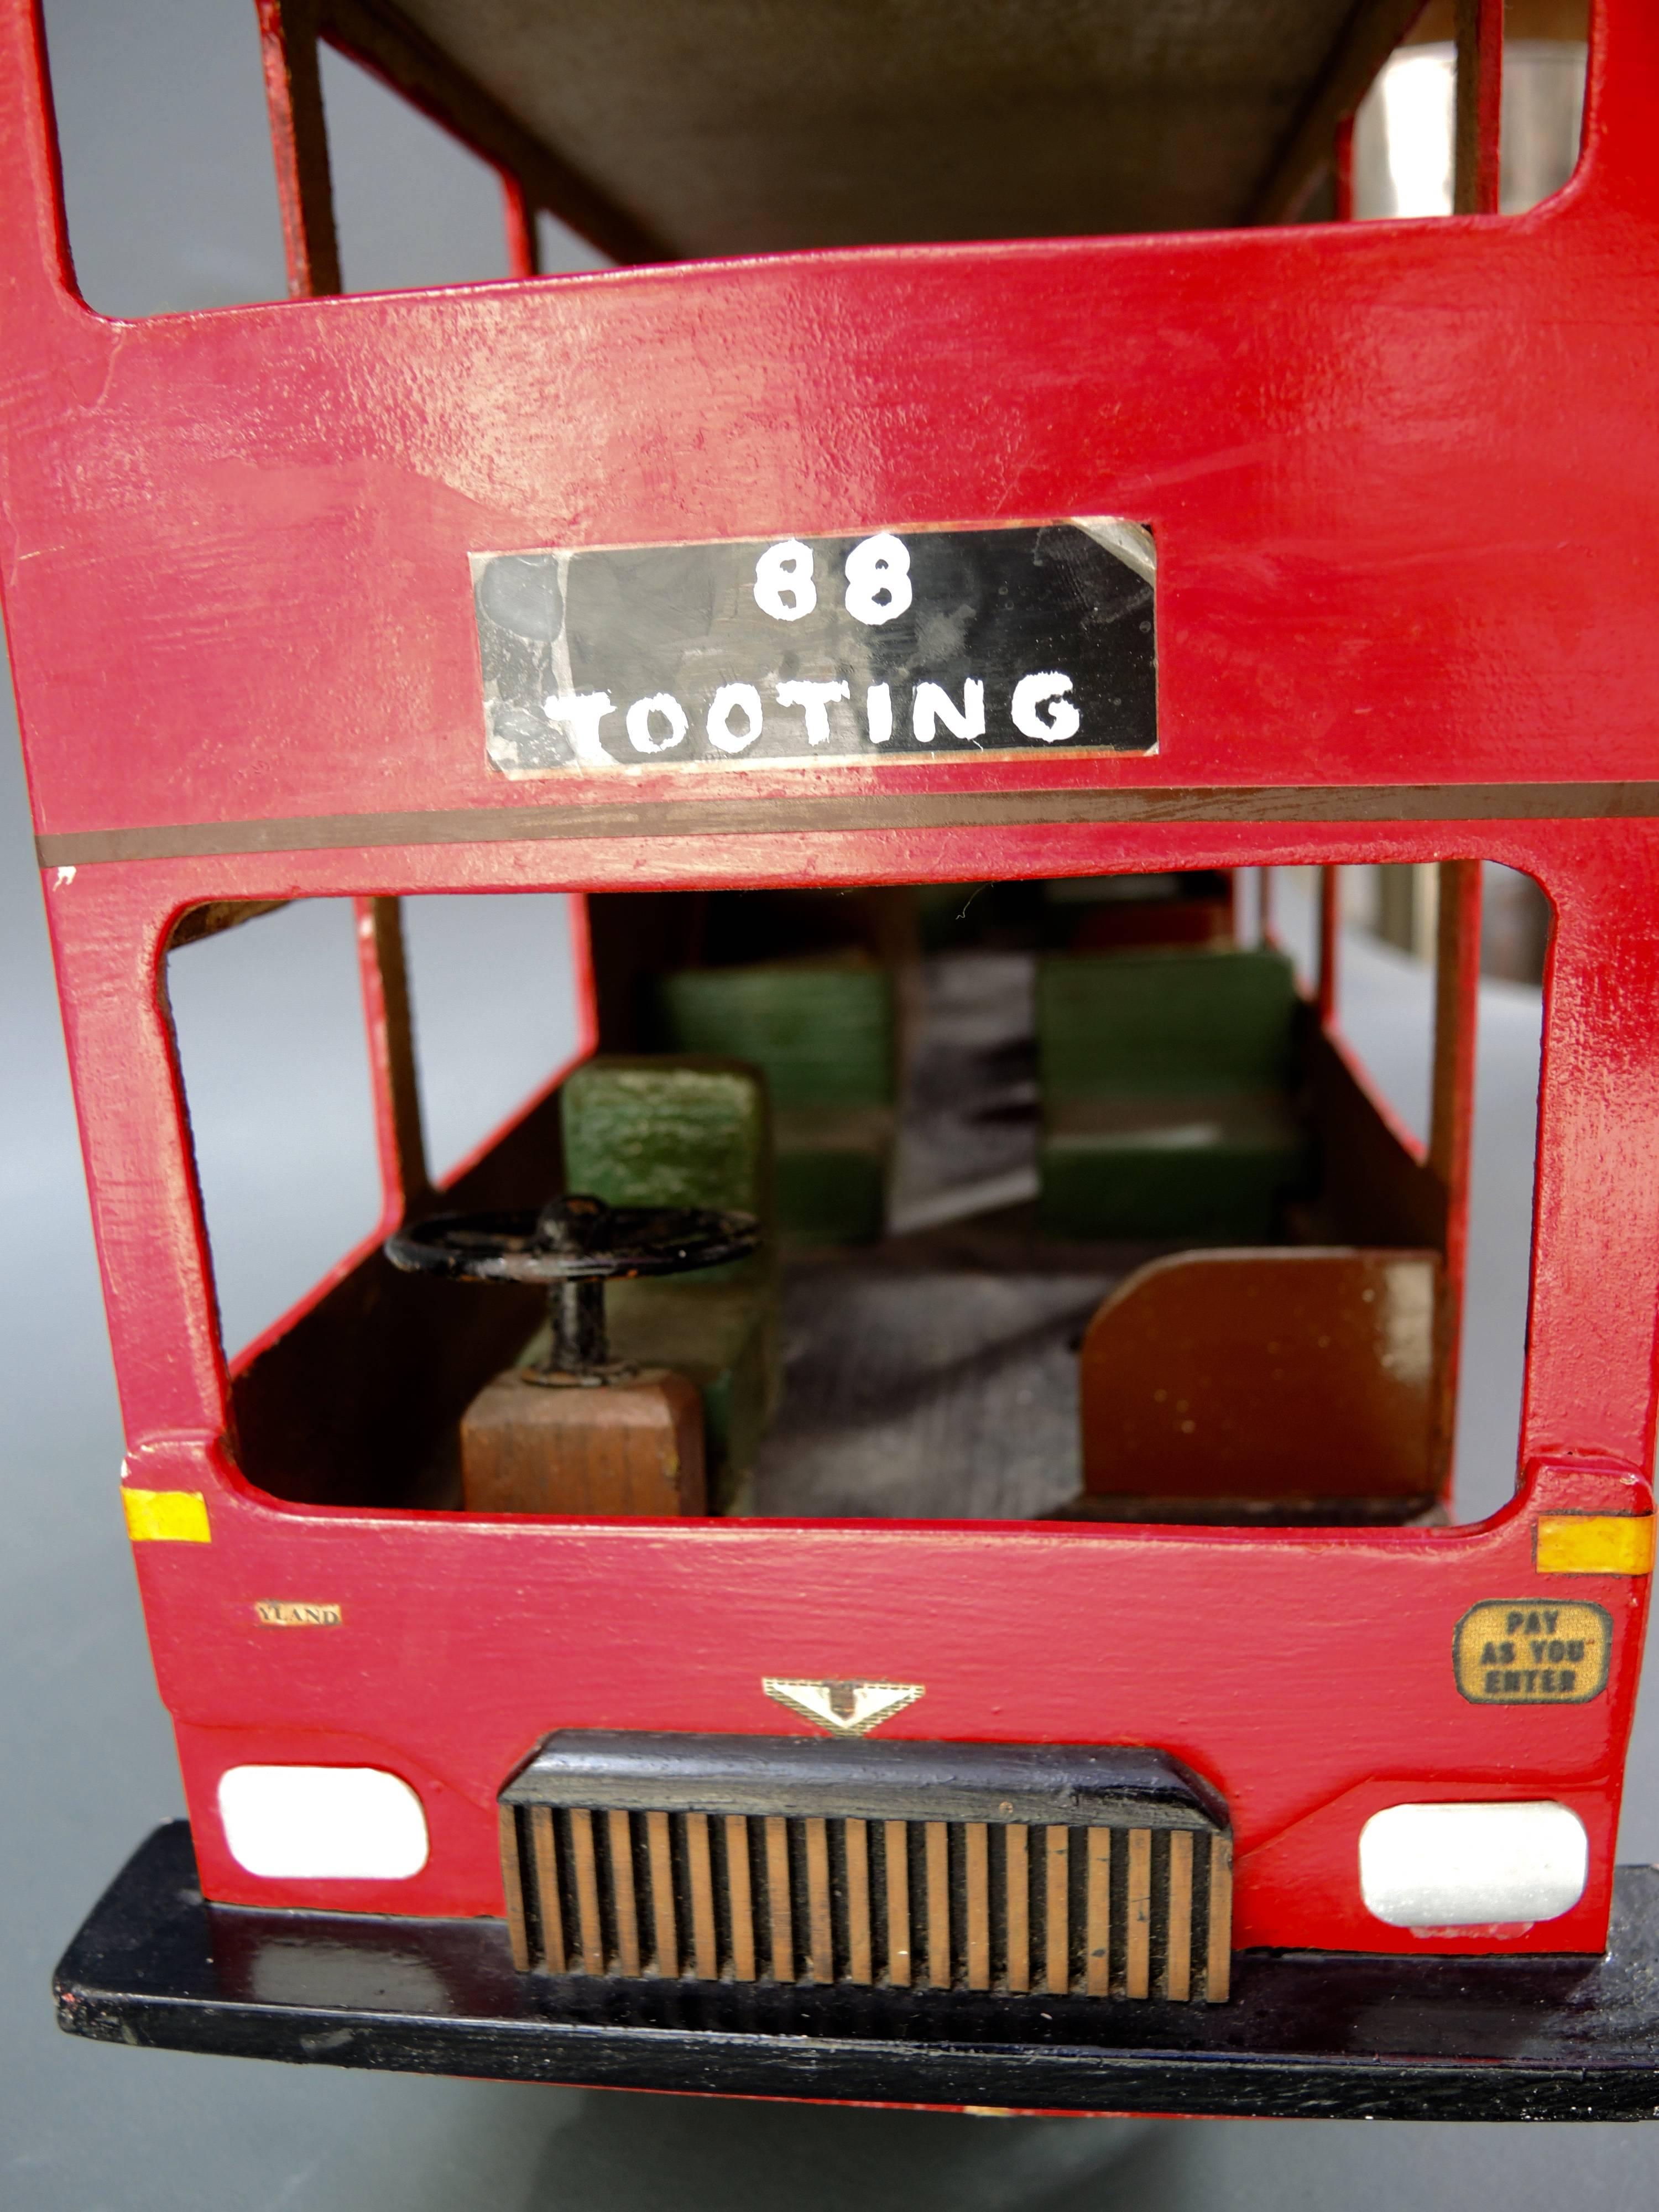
1258	1385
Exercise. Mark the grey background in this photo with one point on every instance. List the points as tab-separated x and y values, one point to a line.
171	209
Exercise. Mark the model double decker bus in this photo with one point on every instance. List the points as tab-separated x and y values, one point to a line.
657	1614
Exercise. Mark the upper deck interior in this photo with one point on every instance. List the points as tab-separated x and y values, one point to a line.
759	129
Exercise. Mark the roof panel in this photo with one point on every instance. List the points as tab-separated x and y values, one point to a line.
736	127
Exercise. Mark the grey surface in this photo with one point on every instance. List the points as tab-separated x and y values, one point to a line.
927	1392
166	177
969	1129
166	168
1385	1007
270	1024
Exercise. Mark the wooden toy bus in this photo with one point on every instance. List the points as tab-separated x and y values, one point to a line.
625	1626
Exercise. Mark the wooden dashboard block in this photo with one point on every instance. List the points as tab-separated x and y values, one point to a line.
631	1446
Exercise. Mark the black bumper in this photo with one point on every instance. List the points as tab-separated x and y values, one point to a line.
1306	2036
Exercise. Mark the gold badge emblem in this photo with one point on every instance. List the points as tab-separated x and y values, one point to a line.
1522	1651
843	1707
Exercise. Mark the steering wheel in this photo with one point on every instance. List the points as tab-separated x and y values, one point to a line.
575	1245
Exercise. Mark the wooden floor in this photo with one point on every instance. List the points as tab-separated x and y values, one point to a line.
935	1375
917	1388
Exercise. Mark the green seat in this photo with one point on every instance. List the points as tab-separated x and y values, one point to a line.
688	1131
1166	1083
822	1031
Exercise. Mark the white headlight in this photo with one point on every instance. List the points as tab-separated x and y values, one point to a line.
323	1823
1456	1866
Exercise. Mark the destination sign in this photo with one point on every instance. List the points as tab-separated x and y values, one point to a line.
924	644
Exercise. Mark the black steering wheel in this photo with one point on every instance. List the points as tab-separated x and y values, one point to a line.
575	1245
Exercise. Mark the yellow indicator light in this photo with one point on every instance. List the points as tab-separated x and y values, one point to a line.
1595	1544
166	1517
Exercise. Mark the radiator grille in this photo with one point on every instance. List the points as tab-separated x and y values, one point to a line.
1097	1910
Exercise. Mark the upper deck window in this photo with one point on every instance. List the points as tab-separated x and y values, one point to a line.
1406	131
268	1020
654	132
412	206
168	177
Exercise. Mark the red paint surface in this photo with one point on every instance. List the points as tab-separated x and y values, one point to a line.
1405	480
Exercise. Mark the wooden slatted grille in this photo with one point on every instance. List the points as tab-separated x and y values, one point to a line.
1096	1911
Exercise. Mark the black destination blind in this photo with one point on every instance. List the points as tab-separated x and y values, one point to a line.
914	643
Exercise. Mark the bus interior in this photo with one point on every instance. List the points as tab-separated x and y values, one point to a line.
1073	1205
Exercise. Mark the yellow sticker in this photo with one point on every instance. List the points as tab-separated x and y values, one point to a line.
1594	1544
1519	1651
166	1517
292	1612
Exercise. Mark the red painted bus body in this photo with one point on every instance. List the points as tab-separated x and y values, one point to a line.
1404	481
